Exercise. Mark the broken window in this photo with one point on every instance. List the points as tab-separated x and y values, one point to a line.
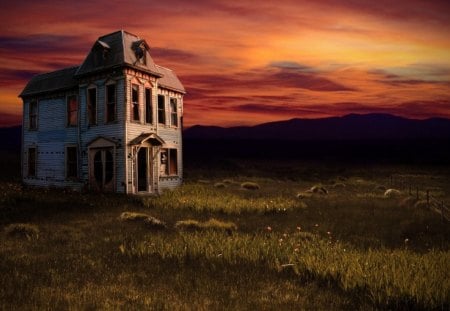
139	48
169	162
71	162
110	103
148	106
92	106
135	102
173	112
32	116
72	110
32	162
161	109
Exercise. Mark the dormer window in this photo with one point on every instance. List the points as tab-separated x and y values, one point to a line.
101	52
140	51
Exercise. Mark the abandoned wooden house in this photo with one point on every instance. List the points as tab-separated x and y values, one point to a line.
112	124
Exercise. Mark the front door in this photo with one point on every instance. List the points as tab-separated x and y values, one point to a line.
142	169
101	169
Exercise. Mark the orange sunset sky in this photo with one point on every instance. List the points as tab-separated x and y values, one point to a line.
247	62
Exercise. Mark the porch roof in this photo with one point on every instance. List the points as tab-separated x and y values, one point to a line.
151	137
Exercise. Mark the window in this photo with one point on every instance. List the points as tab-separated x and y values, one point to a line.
92	106
173	112
110	103
72	110
32	116
32	162
161	109
135	102
169	162
71	162
148	106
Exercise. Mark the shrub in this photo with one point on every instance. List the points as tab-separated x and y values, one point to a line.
147	220
317	189
219	185
212	224
392	193
228	181
303	195
20	230
250	185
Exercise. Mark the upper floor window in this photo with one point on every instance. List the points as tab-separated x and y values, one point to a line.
32	115
110	103
148	106
72	110
161	109
173	112
32	162
71	162
92	106
135	102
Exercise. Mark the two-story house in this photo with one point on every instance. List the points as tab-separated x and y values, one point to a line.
112	124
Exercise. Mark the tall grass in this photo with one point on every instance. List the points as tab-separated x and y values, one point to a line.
389	278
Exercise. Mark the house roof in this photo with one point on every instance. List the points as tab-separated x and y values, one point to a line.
110	51
170	80
117	49
50	82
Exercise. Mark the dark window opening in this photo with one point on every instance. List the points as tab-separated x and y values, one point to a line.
71	162
72	110
103	167
32	162
110	102
148	106
92	106
173	112
135	102
32	115
161	109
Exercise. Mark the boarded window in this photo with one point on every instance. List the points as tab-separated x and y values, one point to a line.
32	162
135	103
173	112
161	109
32	115
71	162
72	110
148	106
169	162
110	103
92	106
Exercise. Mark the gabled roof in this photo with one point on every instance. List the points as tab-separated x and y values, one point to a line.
114	50
169	80
50	82
152	137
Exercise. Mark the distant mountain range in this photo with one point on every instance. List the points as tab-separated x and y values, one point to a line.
349	127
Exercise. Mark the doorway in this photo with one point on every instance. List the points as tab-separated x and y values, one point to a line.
101	173
142	169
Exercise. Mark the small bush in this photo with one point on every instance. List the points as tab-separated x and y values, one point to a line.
250	185
228	181
317	189
212	224
219	185
147	220
390	193
304	195
19	230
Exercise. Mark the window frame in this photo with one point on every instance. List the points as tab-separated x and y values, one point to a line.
34	166
167	172
173	111
69	111
34	115
113	103
148	106
89	104
75	162
135	105
162	111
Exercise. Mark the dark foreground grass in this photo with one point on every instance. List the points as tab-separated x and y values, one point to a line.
352	248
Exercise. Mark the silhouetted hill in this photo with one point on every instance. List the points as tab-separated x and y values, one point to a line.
349	127
10	137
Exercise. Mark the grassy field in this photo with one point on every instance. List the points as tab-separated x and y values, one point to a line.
291	236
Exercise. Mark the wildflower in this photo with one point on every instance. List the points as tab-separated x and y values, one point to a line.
299	228
280	240
406	241
328	232
296	250
285	235
316	225
269	228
